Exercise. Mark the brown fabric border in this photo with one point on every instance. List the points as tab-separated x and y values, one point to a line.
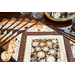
23	43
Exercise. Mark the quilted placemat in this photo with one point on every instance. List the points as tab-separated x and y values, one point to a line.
14	45
23	44
37	28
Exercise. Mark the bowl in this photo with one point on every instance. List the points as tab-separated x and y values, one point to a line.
59	20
